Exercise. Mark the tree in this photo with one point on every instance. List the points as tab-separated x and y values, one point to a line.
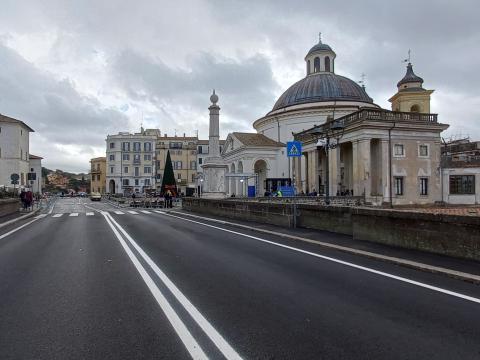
168	175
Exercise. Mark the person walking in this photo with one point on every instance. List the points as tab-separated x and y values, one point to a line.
29	199
23	200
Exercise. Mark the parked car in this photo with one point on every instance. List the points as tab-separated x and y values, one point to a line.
95	196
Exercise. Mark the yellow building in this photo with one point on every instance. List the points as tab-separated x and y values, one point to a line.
411	96
183	153
97	174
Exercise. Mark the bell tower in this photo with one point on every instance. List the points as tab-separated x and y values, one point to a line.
411	96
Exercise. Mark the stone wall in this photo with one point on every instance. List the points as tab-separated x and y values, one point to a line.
9	206
451	235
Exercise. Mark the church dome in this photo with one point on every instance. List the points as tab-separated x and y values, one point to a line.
319	47
322	87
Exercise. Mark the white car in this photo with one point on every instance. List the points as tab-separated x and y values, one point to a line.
95	196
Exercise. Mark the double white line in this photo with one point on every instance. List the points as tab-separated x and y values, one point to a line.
182	331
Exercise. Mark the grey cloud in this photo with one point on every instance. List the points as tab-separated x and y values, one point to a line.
53	108
246	87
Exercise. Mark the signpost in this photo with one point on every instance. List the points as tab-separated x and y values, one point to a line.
14	180
294	149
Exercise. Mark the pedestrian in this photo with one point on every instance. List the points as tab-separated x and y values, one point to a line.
23	200
29	199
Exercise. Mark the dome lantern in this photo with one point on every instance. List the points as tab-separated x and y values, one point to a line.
320	58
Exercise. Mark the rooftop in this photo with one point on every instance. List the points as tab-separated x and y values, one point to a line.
7	119
254	139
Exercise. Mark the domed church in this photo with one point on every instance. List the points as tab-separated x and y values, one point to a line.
384	156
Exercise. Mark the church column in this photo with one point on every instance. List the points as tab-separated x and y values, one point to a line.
361	167
386	181
334	170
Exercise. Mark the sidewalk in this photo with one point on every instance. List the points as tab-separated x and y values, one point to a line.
429	262
18	216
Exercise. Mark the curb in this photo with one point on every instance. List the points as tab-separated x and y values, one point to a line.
26	216
471	278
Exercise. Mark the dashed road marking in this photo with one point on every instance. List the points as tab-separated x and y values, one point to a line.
145	211
119	212
57	215
73	214
90	213
132	212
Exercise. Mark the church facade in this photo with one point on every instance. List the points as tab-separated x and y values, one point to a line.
387	156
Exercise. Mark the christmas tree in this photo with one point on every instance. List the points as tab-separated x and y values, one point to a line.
168	180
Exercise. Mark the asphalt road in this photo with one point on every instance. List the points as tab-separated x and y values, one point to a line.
90	281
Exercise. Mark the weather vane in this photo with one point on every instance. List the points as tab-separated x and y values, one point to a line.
407	59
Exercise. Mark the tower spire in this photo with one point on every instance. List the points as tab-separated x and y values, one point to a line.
319	37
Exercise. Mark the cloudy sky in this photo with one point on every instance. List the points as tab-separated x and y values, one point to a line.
76	71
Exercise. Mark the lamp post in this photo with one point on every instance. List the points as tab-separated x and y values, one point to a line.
331	129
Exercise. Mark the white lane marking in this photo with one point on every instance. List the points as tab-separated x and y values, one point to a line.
73	214
57	215
133	212
119	212
90	213
41	216
16	229
188	340
159	212
211	332
145	211
391	276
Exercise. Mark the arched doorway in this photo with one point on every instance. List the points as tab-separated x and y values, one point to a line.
260	169
111	187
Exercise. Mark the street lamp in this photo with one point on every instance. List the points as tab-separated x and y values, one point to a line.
331	129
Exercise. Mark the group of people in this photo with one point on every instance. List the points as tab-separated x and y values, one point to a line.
168	197
26	197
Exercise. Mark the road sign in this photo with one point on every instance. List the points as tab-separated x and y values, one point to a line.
32	176
294	149
14	182
14	177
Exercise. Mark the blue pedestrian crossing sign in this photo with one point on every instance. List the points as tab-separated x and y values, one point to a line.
294	148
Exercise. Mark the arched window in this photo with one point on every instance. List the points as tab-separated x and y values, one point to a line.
308	67
415	108
327	63
316	65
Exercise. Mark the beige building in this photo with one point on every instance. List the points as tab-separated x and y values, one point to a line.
98	169
389	157
183	153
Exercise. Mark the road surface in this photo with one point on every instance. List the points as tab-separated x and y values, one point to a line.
87	280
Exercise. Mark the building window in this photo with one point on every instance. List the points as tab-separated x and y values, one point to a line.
462	184
175	145
125	169
327	63
112	145
147	157
98	177
147	169
177	165
126	182
179	176
126	146
126	157
398	185
157	164
136	158
112	169
200	160
193	165
137	171
316	65
423	150
112	157
423	186
137	146
147	182
415	108
136	182
308	67
147	146
398	150
193	177
200	149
